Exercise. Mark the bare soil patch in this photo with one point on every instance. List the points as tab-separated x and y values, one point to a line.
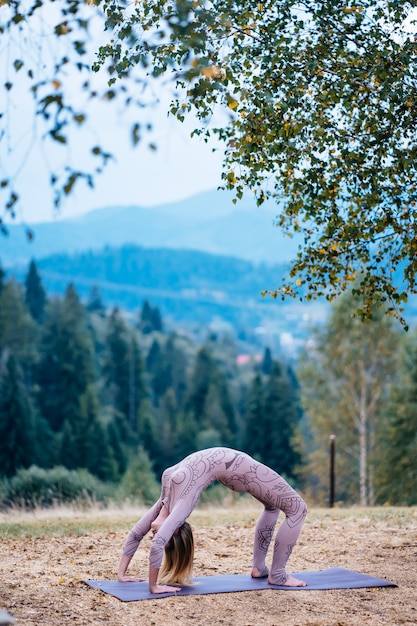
44	557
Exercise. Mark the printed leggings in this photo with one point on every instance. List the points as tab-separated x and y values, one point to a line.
295	511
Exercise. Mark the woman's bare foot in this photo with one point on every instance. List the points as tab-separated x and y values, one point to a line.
290	582
255	573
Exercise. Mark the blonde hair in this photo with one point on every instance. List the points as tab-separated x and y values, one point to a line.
177	566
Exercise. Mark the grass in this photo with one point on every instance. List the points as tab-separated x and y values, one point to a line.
72	521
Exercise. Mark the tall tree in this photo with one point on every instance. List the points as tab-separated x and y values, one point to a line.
115	441
85	441
94	300
65	368
201	377
225	422
168	368
17	328
35	294
254	418
280	423
150	319
267	362
124	369
168	420
208	402
396	459
17	429
344	376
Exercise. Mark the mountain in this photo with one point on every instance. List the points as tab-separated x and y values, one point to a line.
192	289
199	260
208	222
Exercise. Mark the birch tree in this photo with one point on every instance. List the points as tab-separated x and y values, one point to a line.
396	472
343	375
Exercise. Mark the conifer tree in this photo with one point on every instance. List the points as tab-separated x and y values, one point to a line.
201	378
65	367
68	454
267	362
46	443
102	462
85	441
17	328
124	370
209	399
396	457
225	422
168	419
188	429
146	429
35	294
94	301
254	419
17	430
280	423
115	441
152	358
150	319
169	370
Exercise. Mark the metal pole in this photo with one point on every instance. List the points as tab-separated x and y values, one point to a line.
332	439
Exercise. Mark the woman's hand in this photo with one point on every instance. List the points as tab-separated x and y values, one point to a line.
129	579
122	577
162	588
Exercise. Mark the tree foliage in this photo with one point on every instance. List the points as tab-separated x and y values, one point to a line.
320	102
322	99
17	430
35	294
397	455
124	370
271	420
65	366
344	378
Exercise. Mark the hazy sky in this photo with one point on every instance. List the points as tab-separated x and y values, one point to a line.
179	168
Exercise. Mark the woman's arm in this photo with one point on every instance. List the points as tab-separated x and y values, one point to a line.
133	540
153	584
121	574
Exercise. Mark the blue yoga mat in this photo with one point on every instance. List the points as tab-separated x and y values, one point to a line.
334	578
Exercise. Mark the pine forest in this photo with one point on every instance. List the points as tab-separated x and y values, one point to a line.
95	402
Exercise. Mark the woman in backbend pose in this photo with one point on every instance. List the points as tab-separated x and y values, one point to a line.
182	485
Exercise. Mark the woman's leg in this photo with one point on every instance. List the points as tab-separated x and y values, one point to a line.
263	534
295	511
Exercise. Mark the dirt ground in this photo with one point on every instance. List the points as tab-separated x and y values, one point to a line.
41	572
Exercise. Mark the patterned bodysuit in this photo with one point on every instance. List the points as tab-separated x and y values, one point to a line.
183	483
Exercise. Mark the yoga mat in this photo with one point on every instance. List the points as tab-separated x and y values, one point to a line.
334	578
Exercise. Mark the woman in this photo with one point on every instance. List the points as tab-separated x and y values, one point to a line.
182	485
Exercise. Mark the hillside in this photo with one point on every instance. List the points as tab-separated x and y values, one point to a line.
208	222
189	287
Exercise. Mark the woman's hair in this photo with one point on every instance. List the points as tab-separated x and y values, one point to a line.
177	566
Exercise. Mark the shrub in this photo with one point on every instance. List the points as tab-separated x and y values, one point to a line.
3	492
40	487
139	481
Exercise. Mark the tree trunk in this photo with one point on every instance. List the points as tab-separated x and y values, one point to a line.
363	447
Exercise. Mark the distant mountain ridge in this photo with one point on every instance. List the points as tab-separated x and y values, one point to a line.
208	222
189	287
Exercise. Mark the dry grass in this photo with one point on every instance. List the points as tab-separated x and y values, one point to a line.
45	555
